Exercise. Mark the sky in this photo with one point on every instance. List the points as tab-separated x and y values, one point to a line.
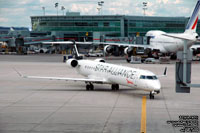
16	13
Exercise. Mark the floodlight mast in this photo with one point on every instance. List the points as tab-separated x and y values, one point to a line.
99	9
100	3
56	6
43	8
144	7
63	9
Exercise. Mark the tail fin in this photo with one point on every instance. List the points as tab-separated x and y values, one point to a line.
192	24
12	29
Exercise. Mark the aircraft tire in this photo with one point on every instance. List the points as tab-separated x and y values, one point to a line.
115	87
151	96
87	87
91	87
128	60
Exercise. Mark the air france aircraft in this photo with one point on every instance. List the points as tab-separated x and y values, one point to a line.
164	42
99	72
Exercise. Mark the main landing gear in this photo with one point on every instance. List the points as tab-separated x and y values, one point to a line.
89	86
115	87
151	95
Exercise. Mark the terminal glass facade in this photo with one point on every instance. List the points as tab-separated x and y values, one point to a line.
77	23
112	25
166	24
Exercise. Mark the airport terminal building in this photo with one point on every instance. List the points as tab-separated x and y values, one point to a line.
77	26
104	28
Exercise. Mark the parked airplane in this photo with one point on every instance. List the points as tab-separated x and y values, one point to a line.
99	72
164	42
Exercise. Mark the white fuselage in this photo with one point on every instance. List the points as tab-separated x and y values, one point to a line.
169	44
115	74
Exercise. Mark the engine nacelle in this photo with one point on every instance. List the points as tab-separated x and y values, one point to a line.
108	49
128	50
100	60
72	63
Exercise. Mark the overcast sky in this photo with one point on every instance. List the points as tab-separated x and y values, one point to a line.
18	12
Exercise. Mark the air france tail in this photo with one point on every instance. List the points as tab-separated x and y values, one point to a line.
192	24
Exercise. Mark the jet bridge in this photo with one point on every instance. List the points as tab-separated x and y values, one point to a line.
183	71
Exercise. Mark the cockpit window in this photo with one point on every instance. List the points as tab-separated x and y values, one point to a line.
142	77
148	77
154	77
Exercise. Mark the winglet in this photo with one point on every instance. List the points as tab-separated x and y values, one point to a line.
165	72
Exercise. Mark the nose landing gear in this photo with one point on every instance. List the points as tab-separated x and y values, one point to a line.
151	95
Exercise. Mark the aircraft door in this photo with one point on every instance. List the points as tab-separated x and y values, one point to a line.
148	40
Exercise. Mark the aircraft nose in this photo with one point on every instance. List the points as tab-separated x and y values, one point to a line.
155	85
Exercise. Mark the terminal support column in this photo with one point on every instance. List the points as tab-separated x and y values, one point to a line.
185	62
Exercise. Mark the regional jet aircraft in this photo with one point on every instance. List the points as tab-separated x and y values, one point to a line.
99	72
164	42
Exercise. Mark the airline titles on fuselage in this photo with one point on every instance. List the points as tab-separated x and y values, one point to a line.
116	71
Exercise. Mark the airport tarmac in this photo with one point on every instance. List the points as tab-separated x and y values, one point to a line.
46	106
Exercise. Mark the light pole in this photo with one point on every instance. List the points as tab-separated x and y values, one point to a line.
56	6
99	9
101	6
63	9
144	7
43	8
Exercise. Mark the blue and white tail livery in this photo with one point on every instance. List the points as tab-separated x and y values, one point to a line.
192	24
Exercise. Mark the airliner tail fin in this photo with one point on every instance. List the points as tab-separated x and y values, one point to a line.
192	24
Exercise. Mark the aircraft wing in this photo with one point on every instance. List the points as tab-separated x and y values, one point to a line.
123	44
93	80
67	79
104	43
33	43
67	42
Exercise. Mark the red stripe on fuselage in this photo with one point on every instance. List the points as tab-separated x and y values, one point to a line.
195	23
129	82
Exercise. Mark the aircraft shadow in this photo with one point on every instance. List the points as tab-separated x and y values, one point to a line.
124	91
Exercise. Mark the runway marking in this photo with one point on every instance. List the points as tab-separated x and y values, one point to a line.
143	116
